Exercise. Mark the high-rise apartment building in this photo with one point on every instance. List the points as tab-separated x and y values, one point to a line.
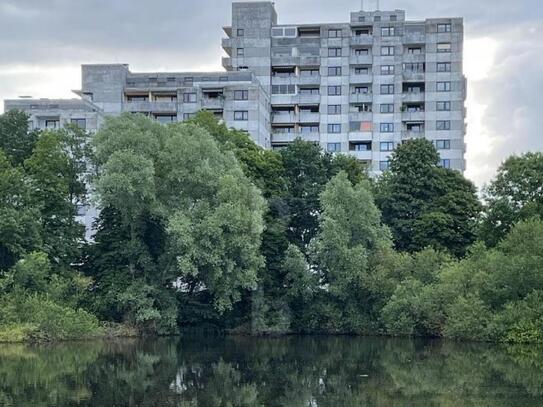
360	87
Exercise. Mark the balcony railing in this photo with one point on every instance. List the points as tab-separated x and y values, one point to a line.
213	103
420	115
361	59
309	117
150	106
413	75
364	39
360	98
282	118
408	134
413	96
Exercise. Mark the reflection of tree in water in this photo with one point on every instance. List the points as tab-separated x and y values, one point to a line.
290	371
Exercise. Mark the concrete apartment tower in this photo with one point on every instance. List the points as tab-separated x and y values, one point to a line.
360	87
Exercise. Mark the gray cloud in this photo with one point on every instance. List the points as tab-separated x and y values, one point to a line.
37	37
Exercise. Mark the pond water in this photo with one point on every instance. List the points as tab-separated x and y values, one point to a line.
290	371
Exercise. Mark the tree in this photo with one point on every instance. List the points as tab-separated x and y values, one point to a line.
425	205
16	140
515	194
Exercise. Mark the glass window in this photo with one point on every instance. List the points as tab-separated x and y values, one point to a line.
386	145
309	72
445	163
386	127
443	125
393	17
334	71
361	51
334	33
444	47
334	52
166	118
81	123
443	106
387	89
443	144
309	91
388	31
189	97
311	128
241	115
384	165
387	108
52	124
361	90
333	147
387	50
361	70
187	116
241	95
241	32
443	86
240	52
334	90
377	19
443	28
334	109
387	69
334	128
414	50
444	67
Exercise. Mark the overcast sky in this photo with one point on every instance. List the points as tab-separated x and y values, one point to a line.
44	42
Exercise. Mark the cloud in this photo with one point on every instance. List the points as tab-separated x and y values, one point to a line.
44	42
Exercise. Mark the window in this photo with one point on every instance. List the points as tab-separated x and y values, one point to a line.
334	90
188	80
360	146
443	125
387	31
384	165
241	115
334	109
386	145
311	128
279	90
241	95
333	147
334	33
444	47
445	163
361	90
443	106
443	144
414	50
387	50
443	28
240	52
393	17
361	70
361	51
309	91
137	98
334	128
334	52
334	71
387	108
364	107
414	67
444	67
309	72
187	116
241	32
377	19
387	69
386	127
189	97
81	123
387	89
283	130
166	118
443	86
52	124
361	19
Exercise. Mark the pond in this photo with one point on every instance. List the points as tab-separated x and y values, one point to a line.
289	371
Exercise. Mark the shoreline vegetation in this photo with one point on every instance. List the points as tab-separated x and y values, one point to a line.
201	229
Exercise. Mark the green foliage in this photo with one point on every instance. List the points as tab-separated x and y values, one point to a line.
425	205
16	141
515	194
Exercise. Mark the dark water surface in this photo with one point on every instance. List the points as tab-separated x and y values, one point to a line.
292	371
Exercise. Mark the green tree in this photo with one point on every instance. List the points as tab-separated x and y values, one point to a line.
515	194
16	140
425	205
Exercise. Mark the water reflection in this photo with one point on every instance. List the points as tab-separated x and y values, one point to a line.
292	371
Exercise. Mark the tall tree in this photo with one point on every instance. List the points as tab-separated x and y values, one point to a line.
515	194
15	138
426	205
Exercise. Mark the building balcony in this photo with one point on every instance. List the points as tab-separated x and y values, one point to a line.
413	116
309	60
361	78
361	154
309	99
360	97
309	79
360	116
361	59
413	97
313	136
284	118
360	136
413	76
285	80
284	99
212	103
410	134
307	117
283	137
227	44
414	58
286	60
414	38
227	63
150	106
365	39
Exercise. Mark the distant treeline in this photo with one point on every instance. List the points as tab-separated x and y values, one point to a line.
200	228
